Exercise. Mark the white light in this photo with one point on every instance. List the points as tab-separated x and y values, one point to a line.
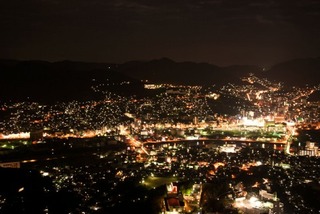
258	163
254	202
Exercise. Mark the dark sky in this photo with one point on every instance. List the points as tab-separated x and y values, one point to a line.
221	32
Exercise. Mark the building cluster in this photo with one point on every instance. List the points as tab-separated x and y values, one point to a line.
199	176
216	162
255	98
272	99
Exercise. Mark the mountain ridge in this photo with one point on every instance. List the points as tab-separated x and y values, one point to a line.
65	80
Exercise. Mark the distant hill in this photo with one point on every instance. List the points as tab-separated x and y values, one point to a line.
58	81
188	73
298	72
68	80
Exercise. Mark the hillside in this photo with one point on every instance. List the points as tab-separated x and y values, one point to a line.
59	81
67	80
188	73
298	72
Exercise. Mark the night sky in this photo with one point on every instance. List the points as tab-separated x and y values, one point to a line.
221	32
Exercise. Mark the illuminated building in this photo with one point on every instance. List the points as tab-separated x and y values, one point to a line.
310	149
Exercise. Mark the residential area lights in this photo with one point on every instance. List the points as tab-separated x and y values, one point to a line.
235	155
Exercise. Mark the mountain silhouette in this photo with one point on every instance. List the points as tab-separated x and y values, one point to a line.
44	81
